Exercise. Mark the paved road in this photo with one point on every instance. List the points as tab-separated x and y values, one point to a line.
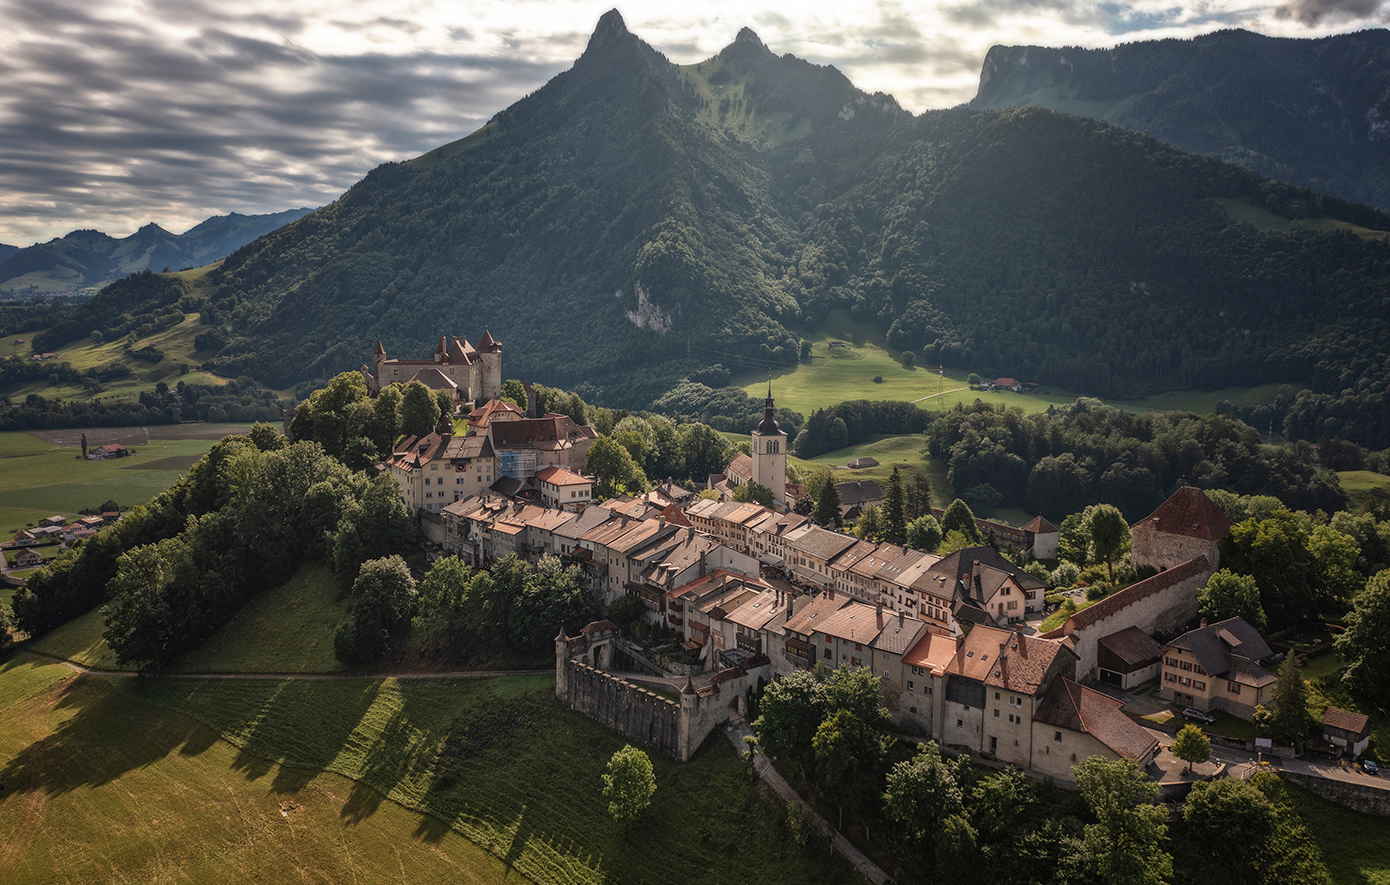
1242	762
735	732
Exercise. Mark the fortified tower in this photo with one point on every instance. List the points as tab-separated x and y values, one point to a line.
770	453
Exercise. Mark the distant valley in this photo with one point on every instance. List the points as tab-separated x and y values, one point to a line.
89	259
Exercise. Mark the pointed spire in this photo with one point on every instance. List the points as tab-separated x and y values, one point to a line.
379	351
689	687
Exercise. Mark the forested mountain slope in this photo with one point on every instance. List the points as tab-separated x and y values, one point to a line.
1310	112
633	220
86	258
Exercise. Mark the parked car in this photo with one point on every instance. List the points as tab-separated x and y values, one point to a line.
1369	766
1192	714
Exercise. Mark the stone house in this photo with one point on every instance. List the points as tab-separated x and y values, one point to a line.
801	627
1073	723
564	488
810	550
994	685
1217	667
435	470
920	705
1186	526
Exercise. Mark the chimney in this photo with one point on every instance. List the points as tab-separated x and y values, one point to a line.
789	608
900	620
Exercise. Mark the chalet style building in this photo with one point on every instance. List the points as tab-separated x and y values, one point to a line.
1218	667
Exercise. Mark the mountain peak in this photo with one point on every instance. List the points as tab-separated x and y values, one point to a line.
610	28
747	35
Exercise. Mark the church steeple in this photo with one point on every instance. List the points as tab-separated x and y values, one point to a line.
769	423
769	450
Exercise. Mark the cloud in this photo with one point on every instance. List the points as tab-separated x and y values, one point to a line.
1312	12
118	113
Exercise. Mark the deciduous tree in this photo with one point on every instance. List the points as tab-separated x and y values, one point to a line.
1229	595
1126	842
1191	745
1365	645
629	784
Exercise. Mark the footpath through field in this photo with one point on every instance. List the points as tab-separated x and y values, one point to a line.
736	731
302	677
942	393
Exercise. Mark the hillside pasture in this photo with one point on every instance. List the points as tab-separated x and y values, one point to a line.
107	789
1361	484
837	374
498	761
80	641
286	629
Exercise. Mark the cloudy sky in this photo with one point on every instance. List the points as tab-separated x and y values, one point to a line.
120	112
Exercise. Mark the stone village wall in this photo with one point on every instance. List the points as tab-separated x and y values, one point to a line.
642	716
676	729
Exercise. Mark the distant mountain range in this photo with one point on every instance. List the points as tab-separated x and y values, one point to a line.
1310	112
89	258
634	221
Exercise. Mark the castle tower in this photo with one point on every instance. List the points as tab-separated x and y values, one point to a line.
770	453
490	353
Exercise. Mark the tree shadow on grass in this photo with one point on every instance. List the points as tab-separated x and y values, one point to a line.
102	737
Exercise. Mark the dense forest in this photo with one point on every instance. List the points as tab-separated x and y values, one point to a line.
1059	461
633	213
1303	111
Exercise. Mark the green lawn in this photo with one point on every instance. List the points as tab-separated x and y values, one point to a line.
838	374
1358	484
287	629
496	760
1355	846
100	787
79	641
39	479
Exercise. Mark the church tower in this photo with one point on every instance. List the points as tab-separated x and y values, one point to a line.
770	453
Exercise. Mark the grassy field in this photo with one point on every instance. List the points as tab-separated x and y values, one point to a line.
1355	846
40	479
101	788
498	761
1262	219
79	641
1359	484
837	374
287	629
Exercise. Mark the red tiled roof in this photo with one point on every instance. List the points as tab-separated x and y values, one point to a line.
1135	592
1346	720
1040	526
1073	706
559	476
1188	512
740	465
1006	659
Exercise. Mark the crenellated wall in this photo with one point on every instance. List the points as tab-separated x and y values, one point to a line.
642	716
